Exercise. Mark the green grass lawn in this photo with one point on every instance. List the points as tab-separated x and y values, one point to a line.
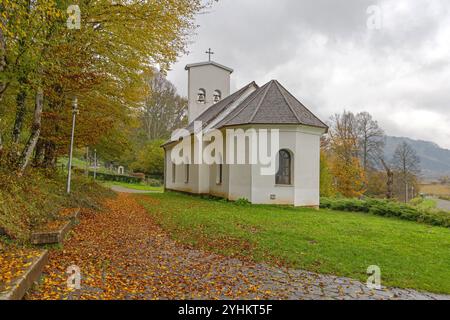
410	254
134	186
81	164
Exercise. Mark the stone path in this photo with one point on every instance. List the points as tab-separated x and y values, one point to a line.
123	254
443	204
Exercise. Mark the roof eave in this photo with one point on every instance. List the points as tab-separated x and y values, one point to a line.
273	124
199	64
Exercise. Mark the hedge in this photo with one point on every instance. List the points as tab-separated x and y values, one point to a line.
111	177
388	209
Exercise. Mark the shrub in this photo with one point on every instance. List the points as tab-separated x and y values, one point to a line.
154	182
242	202
388	209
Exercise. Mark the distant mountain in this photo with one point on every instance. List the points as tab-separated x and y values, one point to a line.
434	160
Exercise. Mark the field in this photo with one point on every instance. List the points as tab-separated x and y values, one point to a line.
324	241
435	189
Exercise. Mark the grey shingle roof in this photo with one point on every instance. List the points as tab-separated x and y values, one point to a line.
271	104
213	112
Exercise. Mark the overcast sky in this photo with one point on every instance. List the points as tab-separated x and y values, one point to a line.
324	53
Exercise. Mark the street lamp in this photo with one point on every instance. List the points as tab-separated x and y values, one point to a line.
74	113
95	164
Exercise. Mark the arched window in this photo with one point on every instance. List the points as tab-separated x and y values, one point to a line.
201	95
217	96
174	172
219	173
186	173
219	170
284	173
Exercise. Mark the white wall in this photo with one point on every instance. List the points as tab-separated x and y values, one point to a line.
304	145
192	186
246	181
218	189
307	168
264	186
240	182
210	78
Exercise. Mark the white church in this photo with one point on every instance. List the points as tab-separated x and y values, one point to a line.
296	178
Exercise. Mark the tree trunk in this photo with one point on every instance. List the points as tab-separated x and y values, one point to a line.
389	181
1	145
2	56
20	113
34	136
39	153
49	155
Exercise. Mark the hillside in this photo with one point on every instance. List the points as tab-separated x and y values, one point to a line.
435	161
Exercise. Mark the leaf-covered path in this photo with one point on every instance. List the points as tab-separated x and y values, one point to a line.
123	254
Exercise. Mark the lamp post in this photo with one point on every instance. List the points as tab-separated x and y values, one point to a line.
95	164
74	113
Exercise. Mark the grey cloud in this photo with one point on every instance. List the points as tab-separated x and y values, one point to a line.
323	52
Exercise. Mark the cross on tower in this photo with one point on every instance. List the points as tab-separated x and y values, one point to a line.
209	53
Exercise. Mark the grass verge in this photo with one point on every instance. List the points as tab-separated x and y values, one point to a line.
133	186
410	254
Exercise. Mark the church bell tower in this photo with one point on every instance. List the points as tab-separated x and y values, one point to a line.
208	83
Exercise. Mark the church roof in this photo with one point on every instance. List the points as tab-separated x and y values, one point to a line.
206	63
213	112
271	104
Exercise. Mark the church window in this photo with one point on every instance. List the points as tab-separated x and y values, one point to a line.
219	173
284	173
186	173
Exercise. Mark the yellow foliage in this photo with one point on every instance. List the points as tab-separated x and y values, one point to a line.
349	177
327	188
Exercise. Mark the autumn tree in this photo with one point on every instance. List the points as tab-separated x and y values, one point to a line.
370	140
2	53
343	147
407	164
105	64
327	188
150	159
164	110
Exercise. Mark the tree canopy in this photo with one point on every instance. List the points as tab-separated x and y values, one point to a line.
106	64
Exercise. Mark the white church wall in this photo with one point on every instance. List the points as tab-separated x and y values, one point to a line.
307	168
246	181
203	178
180	183
240	181
304	145
264	188
217	188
